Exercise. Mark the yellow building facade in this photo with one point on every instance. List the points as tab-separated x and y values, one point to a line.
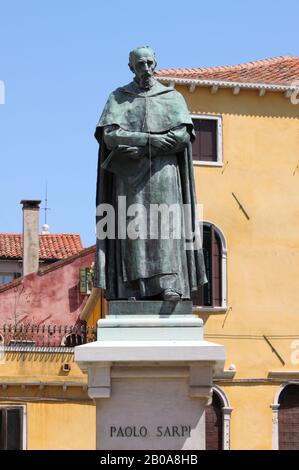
251	196
54	409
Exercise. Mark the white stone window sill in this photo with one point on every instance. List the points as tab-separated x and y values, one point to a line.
286	374
203	163
225	374
209	309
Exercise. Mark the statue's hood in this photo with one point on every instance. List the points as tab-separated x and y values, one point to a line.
158	109
157	89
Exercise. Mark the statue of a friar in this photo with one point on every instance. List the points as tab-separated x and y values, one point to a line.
145	162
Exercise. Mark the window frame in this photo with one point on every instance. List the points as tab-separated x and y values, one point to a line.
23	423
223	307
226	411
219	162
275	410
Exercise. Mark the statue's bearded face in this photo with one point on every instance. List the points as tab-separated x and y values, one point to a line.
143	65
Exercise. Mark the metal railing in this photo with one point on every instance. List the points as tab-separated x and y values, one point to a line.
45	335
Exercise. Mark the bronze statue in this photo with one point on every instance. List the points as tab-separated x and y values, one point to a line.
145	158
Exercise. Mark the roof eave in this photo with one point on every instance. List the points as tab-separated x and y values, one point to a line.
226	84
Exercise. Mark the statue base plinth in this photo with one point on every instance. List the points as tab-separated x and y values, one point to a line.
149	307
151	379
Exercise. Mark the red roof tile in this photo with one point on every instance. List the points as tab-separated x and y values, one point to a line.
51	246
276	70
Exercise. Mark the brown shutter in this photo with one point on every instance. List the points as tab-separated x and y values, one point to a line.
210	295
214	424
288	418
83	280
216	268
208	140
204	147
202	297
196	142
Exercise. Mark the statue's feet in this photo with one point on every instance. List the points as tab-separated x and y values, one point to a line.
170	294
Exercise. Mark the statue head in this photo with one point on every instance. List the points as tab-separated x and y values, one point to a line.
142	63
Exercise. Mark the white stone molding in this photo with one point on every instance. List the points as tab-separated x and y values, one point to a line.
99	381
288	93
236	90
219	161
226	374
275	440
150	351
275	410
285	374
226	415
200	382
228	84
214	89
262	91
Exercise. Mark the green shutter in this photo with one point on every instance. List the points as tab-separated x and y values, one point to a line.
83	280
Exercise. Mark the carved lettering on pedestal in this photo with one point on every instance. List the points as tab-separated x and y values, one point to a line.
142	431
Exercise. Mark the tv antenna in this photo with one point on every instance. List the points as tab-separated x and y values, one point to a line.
46	208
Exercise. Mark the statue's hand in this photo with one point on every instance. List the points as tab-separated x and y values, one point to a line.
163	141
132	152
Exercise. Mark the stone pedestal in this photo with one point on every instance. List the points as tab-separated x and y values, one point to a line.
151	377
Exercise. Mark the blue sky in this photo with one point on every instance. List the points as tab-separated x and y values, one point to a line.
59	60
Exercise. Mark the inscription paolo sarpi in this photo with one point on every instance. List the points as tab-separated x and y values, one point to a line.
142	431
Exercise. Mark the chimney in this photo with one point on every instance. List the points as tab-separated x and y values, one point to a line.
30	236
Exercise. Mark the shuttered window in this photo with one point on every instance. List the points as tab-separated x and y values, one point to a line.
210	295
11	428
288	418
204	147
214	420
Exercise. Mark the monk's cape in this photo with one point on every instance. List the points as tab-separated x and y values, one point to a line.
158	110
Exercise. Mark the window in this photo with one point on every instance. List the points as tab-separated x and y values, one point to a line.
207	146
11	427
217	416
4	278
7	277
212	295
288	418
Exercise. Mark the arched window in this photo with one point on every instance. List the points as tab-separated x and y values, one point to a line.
213	294
288	418
218	422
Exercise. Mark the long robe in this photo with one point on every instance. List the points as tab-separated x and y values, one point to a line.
144	267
